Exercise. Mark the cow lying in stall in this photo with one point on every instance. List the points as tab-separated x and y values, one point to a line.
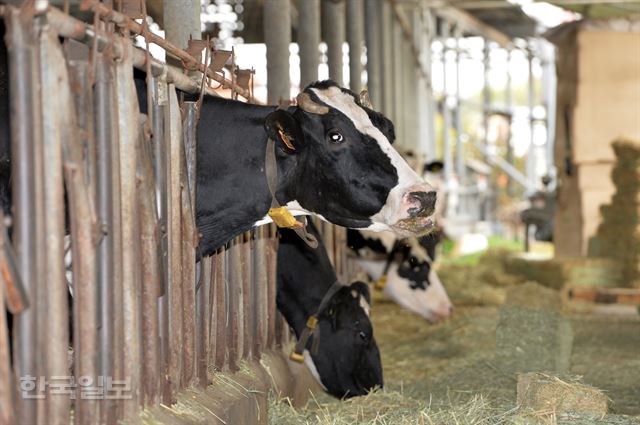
402	268
346	361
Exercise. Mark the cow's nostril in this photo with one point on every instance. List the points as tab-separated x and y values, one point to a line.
426	201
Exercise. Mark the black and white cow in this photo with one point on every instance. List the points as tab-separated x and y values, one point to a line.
334	157
347	362
403	267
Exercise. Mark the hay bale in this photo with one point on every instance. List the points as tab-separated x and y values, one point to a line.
532	335
618	235
549	273
540	392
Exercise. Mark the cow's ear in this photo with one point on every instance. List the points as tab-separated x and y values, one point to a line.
285	130
361	289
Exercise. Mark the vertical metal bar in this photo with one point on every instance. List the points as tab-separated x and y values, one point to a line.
248	309
386	103
260	289
116	413
271	256
510	109
173	131
531	152
460	171
373	19
308	40
549	87
104	136
150	264
430	102
220	308
355	35
446	112
19	47
160	100
56	309
82	232
235	312
188	174
277	37
7	405
333	33
128	120
203	316
181	22
486	89
397	82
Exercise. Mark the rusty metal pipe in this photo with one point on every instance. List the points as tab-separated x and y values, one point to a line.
160	160
173	133
7	413
19	47
128	119
56	309
188	261
151	370
82	233
203	315
104	202
136	28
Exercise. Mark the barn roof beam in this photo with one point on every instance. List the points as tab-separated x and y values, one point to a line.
473	25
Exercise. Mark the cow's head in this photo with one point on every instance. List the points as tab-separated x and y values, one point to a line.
347	362
340	165
410	280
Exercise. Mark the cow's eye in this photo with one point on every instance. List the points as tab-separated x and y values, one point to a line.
335	136
362	335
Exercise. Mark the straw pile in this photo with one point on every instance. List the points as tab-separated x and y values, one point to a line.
539	392
618	236
387	408
483	283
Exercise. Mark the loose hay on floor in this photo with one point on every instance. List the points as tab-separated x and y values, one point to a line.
386	408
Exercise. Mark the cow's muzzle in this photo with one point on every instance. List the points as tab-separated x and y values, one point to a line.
420	204
416	211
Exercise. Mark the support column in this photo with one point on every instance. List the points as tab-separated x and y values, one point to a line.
509	103
387	60
428	101
373	25
277	36
333	33
460	171
181	21
355	36
549	84
531	152
446	112
308	40
396	82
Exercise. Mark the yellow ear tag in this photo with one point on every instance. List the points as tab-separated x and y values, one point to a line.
381	283
296	357
286	140
283	218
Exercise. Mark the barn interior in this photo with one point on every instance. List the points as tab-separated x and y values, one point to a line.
523	115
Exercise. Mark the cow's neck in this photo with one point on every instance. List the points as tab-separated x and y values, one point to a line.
232	192
305	275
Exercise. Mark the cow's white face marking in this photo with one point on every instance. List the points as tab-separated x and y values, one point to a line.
392	211
308	361
362	301
432	304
